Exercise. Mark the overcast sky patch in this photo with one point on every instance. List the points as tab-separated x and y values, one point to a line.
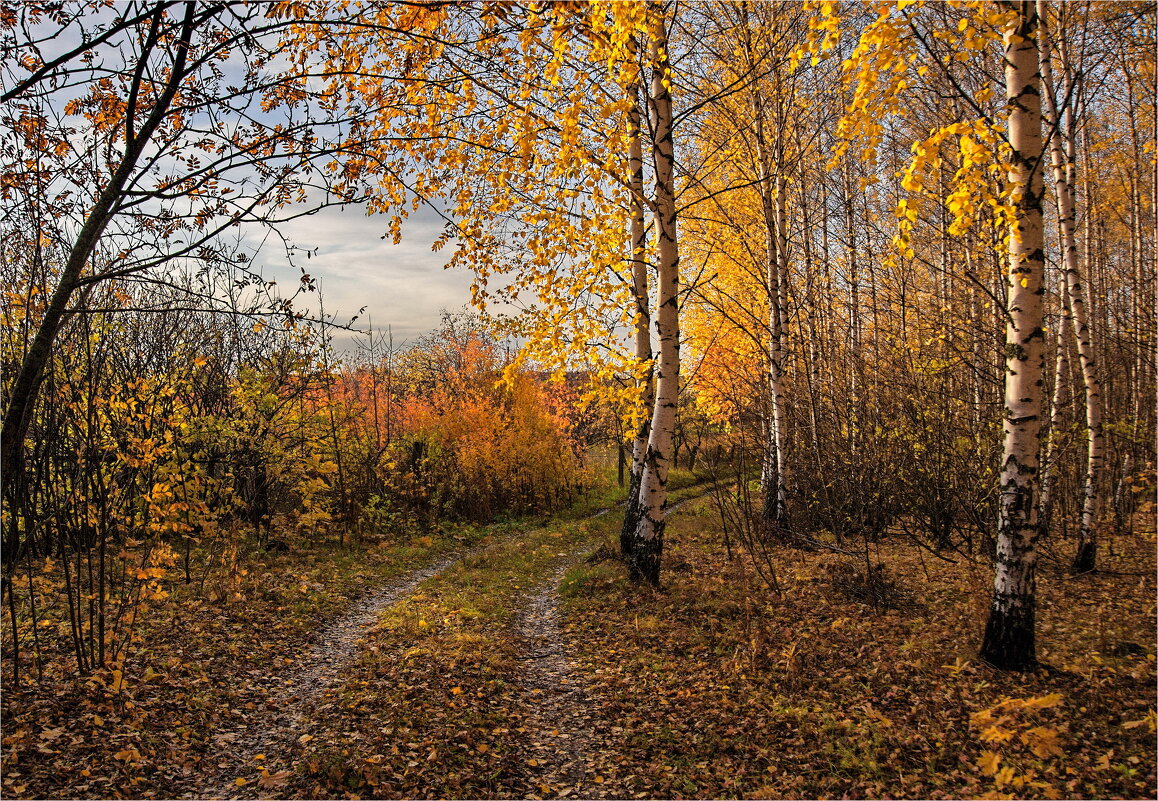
402	286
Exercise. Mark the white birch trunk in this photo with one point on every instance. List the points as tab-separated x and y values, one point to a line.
639	268
1057	404
1064	165
1009	633
648	546
772	187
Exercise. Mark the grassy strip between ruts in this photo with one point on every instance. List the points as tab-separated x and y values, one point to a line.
723	689
433	707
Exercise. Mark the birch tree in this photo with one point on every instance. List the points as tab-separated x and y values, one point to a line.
773	188
1064	166
640	268
1010	632
648	547
886	49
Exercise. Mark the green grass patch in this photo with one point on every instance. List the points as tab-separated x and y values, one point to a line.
435	695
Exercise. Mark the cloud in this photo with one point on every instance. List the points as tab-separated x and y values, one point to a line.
402	286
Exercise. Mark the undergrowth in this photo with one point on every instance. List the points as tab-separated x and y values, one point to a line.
843	686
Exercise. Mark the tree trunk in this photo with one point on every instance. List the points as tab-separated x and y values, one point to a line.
648	547
854	326
1064	164
1061	378
1009	634
772	188
639	267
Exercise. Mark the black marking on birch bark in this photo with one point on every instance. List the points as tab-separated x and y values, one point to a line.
646	557
1014	350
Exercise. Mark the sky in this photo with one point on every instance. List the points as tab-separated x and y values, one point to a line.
402	286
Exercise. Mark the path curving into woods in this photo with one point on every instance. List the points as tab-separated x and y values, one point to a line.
569	749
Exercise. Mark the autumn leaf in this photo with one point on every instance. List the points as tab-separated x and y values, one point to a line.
1150	720
130	754
995	734
988	762
271	780
1043	702
1043	742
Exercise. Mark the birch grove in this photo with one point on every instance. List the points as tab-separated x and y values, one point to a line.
783	426
873	275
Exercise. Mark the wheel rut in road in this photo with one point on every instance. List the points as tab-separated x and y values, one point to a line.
571	749
275	729
564	736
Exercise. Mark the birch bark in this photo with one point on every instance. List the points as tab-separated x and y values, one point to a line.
648	547
1064	163
1061	377
640	291
1009	633
773	188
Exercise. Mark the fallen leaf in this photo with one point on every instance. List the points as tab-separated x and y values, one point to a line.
988	762
129	754
273	779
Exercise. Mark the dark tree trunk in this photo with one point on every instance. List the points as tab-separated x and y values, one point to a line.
644	563
1085	560
1010	642
631	514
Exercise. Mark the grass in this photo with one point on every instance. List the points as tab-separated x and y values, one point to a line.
436	694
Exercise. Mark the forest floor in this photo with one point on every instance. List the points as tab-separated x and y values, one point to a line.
507	662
